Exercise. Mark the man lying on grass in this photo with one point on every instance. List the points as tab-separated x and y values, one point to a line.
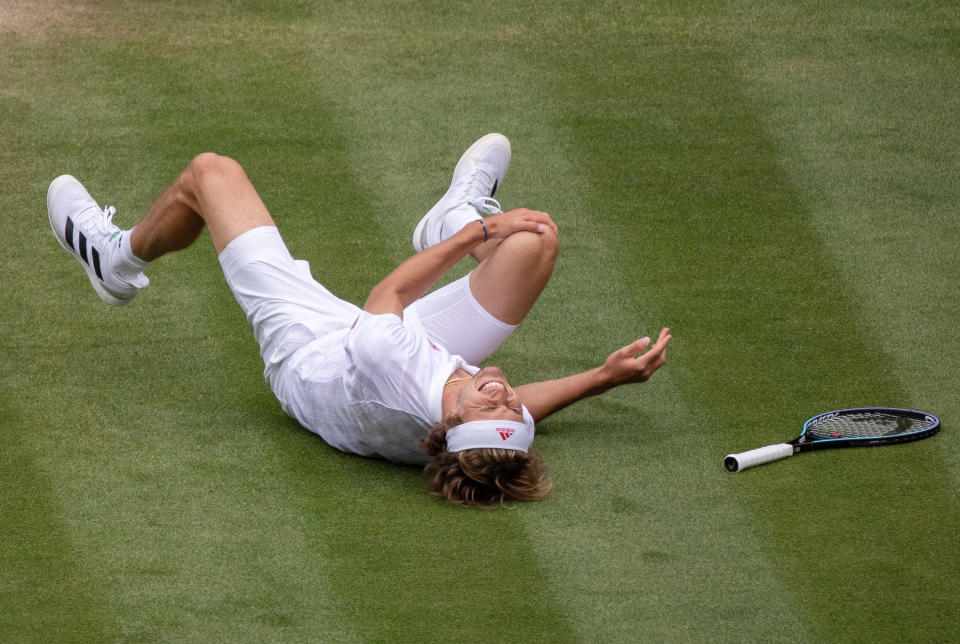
395	379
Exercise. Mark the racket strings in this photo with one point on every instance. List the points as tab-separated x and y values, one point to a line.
863	425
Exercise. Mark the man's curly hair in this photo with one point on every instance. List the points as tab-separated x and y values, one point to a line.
482	478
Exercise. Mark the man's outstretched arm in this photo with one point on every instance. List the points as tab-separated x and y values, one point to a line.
632	363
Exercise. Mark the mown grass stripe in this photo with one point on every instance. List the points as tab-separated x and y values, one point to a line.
643	451
43	589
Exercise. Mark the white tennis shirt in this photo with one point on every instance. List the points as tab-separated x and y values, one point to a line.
372	390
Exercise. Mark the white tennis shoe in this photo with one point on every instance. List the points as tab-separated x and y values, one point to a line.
478	174
88	233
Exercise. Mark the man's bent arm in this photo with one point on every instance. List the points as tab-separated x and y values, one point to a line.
626	365
411	279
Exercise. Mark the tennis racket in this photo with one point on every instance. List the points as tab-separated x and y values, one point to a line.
860	427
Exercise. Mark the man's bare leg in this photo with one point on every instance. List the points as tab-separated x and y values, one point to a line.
212	191
513	272
215	191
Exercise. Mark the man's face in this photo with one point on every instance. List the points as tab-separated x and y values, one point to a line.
488	396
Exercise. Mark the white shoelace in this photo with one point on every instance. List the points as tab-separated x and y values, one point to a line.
486	206
102	220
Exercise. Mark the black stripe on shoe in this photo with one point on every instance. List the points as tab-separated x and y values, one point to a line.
83	247
96	262
68	233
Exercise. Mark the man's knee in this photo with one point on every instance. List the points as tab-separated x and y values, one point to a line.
544	246
550	243
209	166
217	189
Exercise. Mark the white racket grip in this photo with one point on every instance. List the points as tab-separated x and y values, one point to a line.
759	456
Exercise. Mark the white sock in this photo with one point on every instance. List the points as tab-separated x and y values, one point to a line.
457	220
125	263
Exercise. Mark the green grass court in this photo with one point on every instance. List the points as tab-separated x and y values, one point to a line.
777	182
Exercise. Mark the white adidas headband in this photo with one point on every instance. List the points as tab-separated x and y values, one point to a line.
496	434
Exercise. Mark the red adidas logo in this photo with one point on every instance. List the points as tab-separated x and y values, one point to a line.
505	432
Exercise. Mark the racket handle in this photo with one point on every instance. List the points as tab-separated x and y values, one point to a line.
759	456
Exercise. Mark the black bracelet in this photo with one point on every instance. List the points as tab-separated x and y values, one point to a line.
486	233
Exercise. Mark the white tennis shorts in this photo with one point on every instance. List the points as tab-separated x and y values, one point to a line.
288	308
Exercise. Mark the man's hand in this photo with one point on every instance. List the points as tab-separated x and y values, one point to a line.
415	276
507	223
633	364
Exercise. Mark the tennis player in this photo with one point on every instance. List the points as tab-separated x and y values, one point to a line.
396	379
